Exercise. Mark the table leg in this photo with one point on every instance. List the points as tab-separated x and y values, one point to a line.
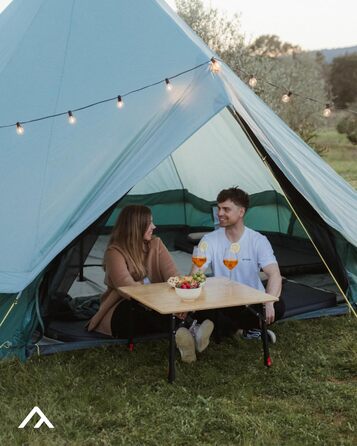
131	325
217	327
172	350
267	359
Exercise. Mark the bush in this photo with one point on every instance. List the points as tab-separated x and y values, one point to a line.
348	125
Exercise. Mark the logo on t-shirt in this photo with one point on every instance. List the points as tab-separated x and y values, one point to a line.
245	260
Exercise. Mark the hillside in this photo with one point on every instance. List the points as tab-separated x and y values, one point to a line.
331	53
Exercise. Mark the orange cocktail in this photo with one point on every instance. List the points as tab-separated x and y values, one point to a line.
199	261
230	263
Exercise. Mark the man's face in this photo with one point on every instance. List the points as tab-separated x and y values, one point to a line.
229	214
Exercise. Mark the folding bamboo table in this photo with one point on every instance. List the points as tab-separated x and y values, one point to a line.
218	292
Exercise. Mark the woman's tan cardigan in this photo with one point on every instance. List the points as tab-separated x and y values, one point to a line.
119	272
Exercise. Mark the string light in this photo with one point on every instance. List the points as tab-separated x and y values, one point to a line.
252	81
214	66
19	129
120	102
327	111
71	118
286	97
168	85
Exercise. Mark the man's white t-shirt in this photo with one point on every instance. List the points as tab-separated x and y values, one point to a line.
255	253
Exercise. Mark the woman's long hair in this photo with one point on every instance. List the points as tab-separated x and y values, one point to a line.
128	235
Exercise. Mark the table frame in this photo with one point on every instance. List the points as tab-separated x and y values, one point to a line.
260	298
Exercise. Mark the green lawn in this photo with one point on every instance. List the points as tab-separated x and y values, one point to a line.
339	153
112	396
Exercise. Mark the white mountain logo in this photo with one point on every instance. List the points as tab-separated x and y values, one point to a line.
43	419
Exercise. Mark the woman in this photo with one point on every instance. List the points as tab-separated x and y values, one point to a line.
135	257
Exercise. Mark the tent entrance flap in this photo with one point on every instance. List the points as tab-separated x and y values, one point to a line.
315	228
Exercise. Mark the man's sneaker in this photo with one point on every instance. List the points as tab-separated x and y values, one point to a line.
256	333
202	333
186	345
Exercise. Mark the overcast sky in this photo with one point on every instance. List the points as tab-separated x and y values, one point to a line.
312	24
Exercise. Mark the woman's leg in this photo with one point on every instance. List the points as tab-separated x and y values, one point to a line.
131	318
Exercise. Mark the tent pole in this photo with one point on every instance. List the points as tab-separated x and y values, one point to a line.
263	158
81	277
183	189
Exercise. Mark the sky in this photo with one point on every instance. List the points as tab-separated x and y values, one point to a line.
311	24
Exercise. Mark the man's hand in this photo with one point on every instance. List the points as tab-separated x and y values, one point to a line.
269	312
274	288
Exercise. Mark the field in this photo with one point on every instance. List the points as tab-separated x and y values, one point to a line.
339	153
116	397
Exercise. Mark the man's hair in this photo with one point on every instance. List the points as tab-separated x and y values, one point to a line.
238	196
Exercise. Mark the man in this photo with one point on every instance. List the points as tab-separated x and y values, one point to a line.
254	253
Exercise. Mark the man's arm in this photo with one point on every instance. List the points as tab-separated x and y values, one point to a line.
273	287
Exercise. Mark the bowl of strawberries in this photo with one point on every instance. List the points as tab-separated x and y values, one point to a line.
186	287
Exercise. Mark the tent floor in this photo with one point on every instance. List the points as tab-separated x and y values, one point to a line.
299	299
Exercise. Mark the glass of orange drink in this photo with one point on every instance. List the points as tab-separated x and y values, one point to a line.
198	257
230	260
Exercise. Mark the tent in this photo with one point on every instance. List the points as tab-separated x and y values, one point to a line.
60	184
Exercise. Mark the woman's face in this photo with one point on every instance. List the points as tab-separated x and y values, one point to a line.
149	231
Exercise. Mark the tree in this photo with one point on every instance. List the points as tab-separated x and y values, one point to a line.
348	125
343	79
219	33
271	46
281	63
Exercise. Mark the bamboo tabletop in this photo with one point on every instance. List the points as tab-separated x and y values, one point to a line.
218	292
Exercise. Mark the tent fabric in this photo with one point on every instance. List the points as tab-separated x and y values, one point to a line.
57	179
333	198
71	174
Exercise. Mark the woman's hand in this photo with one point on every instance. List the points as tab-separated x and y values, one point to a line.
181	316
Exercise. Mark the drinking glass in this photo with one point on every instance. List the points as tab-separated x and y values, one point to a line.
230	260
198	257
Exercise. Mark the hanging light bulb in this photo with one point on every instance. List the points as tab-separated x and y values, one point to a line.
120	102
71	118
252	81
168	85
327	111
286	97
19	129
214	65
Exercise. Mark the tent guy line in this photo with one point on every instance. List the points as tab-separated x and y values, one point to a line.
214	66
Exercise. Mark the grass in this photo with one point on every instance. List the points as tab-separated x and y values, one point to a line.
114	397
339	153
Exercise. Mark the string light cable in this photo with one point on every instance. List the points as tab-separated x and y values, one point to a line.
118	98
288	94
214	66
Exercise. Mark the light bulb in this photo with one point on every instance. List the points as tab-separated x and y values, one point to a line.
214	65
252	81
327	111
120	102
286	97
71	118
19	129
168	85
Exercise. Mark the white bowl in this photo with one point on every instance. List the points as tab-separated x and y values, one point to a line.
190	294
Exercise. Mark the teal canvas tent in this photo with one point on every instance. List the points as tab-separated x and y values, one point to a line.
62	184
